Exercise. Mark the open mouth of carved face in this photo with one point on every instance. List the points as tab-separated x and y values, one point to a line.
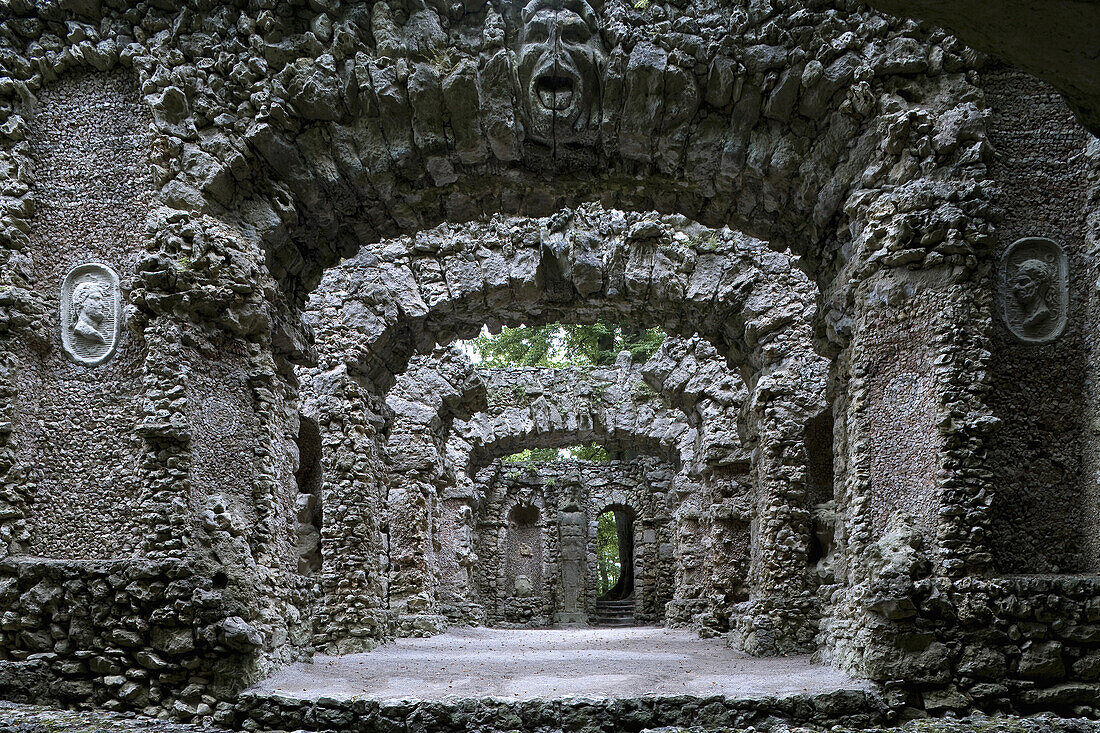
555	91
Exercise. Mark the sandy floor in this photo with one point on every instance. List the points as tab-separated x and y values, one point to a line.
605	663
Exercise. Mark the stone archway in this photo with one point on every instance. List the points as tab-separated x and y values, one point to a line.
622	587
580	265
553	408
394	120
388	302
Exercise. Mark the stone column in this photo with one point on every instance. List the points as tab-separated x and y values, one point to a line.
572	530
412	505
912	419
352	614
457	556
781	615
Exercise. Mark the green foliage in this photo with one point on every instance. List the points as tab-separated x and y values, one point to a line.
524	346
533	455
591	452
644	344
608	567
558	345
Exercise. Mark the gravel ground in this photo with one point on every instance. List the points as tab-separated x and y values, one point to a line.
526	664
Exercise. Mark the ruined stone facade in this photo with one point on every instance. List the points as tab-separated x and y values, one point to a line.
238	239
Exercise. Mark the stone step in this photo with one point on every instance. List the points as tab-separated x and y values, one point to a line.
853	708
613	623
613	613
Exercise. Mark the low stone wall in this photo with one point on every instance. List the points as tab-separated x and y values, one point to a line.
579	715
1012	643
1019	642
155	637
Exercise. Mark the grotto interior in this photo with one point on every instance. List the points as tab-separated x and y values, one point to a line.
253	473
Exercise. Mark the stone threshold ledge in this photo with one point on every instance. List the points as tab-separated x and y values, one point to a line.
263	712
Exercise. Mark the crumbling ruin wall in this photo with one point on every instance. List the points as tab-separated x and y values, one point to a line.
518	592
754	514
918	613
523	407
284	139
426	548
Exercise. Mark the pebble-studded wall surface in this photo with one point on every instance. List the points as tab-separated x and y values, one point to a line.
76	424
1040	391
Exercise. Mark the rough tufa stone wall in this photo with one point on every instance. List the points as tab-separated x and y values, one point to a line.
288	135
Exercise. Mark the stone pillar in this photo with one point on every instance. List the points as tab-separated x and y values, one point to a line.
572	529
788	389
689	548
412	505
352	614
457	557
781	615
912	424
164	427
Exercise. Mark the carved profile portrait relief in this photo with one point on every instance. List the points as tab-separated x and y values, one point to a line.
1035	290
90	313
560	60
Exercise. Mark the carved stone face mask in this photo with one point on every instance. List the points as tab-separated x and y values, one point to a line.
561	59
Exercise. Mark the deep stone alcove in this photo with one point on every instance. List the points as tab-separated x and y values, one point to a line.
308	505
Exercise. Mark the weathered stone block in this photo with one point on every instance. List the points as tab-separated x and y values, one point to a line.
1042	661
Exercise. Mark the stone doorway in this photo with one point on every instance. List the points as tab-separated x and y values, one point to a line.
614	567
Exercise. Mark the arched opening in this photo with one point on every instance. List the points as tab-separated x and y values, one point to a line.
614	555
849	149
819	494
614	568
644	273
523	552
